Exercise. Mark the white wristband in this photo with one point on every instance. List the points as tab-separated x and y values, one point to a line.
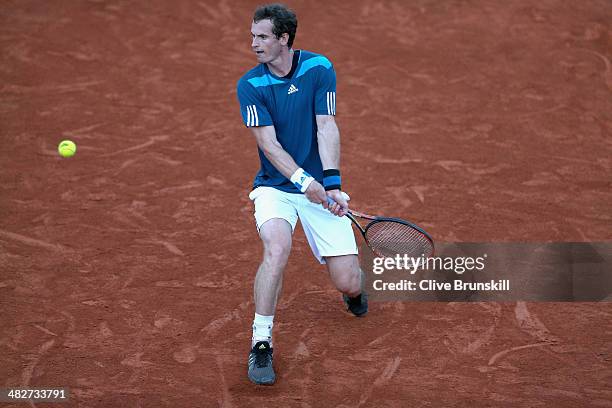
306	183
301	179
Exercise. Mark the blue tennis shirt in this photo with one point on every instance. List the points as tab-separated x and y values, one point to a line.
290	105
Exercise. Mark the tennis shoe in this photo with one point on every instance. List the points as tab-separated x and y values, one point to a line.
357	305
260	364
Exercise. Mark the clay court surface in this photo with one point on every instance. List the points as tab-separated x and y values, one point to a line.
127	270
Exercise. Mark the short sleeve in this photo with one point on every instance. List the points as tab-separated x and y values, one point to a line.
252	105
325	95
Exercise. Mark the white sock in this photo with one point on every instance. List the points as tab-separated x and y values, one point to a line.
262	329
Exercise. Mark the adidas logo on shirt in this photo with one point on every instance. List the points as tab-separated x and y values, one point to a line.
292	89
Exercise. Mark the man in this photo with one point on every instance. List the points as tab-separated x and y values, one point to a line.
288	101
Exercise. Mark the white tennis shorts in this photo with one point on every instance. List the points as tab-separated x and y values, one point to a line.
327	234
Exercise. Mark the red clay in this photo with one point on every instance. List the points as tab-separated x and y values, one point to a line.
127	270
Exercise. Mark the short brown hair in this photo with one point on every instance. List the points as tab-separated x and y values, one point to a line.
283	19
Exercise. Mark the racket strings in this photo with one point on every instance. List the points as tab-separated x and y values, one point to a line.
389	238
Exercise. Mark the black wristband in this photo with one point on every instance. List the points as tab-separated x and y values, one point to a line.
332	179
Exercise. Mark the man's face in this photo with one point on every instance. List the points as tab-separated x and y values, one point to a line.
265	44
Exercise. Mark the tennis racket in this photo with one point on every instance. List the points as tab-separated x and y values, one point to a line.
388	237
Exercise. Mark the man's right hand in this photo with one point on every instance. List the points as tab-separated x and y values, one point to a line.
315	193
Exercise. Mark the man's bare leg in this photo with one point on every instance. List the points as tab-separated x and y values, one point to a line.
276	237
346	275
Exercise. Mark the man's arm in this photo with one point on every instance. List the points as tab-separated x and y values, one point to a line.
269	145
283	162
328	138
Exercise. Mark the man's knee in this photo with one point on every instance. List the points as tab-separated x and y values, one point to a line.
349	284
345	274
276	237
276	254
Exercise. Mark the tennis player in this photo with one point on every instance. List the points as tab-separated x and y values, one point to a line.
288	101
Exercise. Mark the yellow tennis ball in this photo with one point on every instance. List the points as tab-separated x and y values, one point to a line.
66	148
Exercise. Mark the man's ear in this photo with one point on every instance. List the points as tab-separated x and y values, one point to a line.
284	38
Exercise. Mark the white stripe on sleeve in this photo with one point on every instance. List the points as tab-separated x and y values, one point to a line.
331	103
256	116
248	121
334	99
